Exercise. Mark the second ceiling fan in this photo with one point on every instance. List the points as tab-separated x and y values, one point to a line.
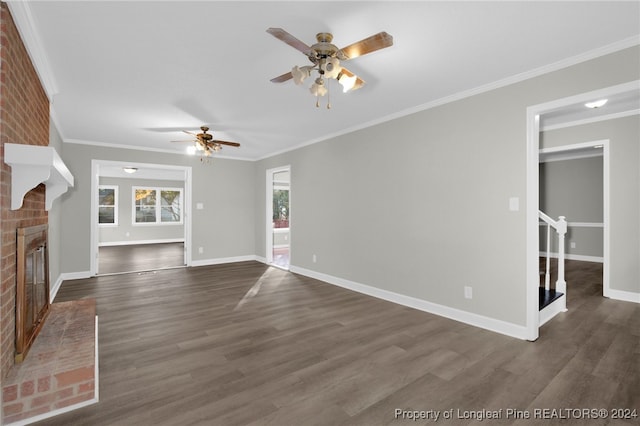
205	143
326	58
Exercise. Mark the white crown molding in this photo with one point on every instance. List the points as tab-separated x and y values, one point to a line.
613	116
574	60
148	149
21	13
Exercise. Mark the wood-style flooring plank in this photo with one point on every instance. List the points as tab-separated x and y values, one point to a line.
246	344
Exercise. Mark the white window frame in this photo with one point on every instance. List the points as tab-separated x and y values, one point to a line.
158	206
115	205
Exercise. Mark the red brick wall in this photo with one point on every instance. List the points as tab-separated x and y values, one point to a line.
24	119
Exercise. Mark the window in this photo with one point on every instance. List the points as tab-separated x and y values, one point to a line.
280	208
157	205
107	205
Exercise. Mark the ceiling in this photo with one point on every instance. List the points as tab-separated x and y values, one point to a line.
134	74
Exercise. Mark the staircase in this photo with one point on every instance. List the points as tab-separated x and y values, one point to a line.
552	296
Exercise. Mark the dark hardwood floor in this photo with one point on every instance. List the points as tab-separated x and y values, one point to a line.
246	344
139	257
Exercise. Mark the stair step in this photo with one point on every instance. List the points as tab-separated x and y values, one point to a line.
546	297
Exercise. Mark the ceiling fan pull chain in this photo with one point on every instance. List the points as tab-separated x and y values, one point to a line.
328	95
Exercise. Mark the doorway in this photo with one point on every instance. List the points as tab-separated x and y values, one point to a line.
567	107
278	198
574	182
144	192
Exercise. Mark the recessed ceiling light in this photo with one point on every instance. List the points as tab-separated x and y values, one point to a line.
130	169
596	104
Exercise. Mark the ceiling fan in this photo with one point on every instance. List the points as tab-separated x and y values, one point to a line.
326	58
205	144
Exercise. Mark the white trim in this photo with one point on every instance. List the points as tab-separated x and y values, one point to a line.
554	308
269	210
564	156
140	242
581	224
625	296
115	207
221	260
186	205
470	318
597	119
532	228
157	207
580	257
145	148
532	185
21	14
585	224
565	63
65	276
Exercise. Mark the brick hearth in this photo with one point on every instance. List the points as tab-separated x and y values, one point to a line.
60	371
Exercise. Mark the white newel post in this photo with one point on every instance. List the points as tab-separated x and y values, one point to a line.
561	284
547	275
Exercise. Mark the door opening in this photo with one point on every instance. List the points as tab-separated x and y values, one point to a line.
534	114
129	224
574	182
279	217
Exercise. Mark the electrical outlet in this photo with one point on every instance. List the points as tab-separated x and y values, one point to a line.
468	292
573	244
200	250
314	258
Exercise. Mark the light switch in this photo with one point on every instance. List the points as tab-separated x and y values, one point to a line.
199	206
514	204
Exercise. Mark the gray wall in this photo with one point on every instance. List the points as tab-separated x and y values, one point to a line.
419	205
224	187
624	191
573	188
118	234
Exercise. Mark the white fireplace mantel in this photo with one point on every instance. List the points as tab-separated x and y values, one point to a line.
32	165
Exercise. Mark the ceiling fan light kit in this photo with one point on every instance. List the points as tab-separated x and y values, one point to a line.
204	144
326	59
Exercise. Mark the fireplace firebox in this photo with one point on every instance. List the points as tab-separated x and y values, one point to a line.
32	280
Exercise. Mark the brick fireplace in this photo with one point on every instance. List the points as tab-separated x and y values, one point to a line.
60	370
24	119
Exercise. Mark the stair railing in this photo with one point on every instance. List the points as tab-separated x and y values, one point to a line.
560	226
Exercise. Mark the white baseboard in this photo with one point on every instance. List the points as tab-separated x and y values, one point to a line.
625	296
581	257
491	324
53	290
138	242
221	260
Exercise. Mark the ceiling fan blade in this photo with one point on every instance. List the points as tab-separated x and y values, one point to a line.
367	45
282	35
359	82
226	143
184	141
282	78
190	133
